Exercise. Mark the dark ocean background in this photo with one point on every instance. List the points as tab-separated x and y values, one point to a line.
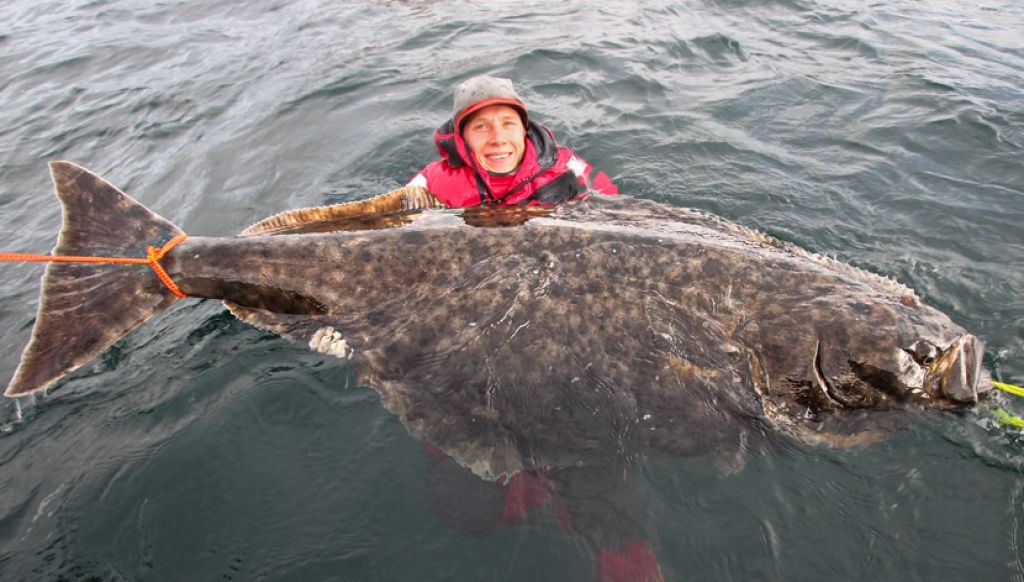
889	135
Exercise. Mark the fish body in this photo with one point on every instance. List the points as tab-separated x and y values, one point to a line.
596	333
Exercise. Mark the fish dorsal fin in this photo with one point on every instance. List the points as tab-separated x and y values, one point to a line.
499	216
387	210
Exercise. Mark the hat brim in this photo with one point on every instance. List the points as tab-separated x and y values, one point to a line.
465	113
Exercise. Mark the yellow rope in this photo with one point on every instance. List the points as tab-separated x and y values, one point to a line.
1009	419
1010	388
1005	417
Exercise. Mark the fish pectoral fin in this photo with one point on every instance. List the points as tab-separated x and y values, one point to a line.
732	462
319	332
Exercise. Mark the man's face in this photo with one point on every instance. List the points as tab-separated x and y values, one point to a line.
497	138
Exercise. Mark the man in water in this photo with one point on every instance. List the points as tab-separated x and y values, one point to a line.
493	155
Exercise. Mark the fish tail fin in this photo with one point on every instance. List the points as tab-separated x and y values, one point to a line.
84	307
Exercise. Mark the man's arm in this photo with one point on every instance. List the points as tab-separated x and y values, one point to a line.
600	182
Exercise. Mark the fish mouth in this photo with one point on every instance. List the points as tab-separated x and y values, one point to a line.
958	370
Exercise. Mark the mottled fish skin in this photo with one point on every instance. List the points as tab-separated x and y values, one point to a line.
598	333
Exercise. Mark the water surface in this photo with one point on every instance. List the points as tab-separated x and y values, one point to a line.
889	135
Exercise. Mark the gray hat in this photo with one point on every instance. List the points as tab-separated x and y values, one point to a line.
479	92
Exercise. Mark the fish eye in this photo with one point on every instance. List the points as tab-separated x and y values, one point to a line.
924	352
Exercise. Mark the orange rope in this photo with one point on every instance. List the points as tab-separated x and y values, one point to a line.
153	256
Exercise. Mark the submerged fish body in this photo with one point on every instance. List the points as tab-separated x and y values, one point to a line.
596	333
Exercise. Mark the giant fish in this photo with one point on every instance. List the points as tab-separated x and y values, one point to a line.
595	334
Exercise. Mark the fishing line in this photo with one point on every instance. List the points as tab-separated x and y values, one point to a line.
1005	417
1009	388
153	256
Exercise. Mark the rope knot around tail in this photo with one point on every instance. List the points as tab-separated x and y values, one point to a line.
154	255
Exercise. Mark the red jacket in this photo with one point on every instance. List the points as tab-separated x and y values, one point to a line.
549	173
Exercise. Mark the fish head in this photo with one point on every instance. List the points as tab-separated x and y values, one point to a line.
951	373
869	356
922	369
